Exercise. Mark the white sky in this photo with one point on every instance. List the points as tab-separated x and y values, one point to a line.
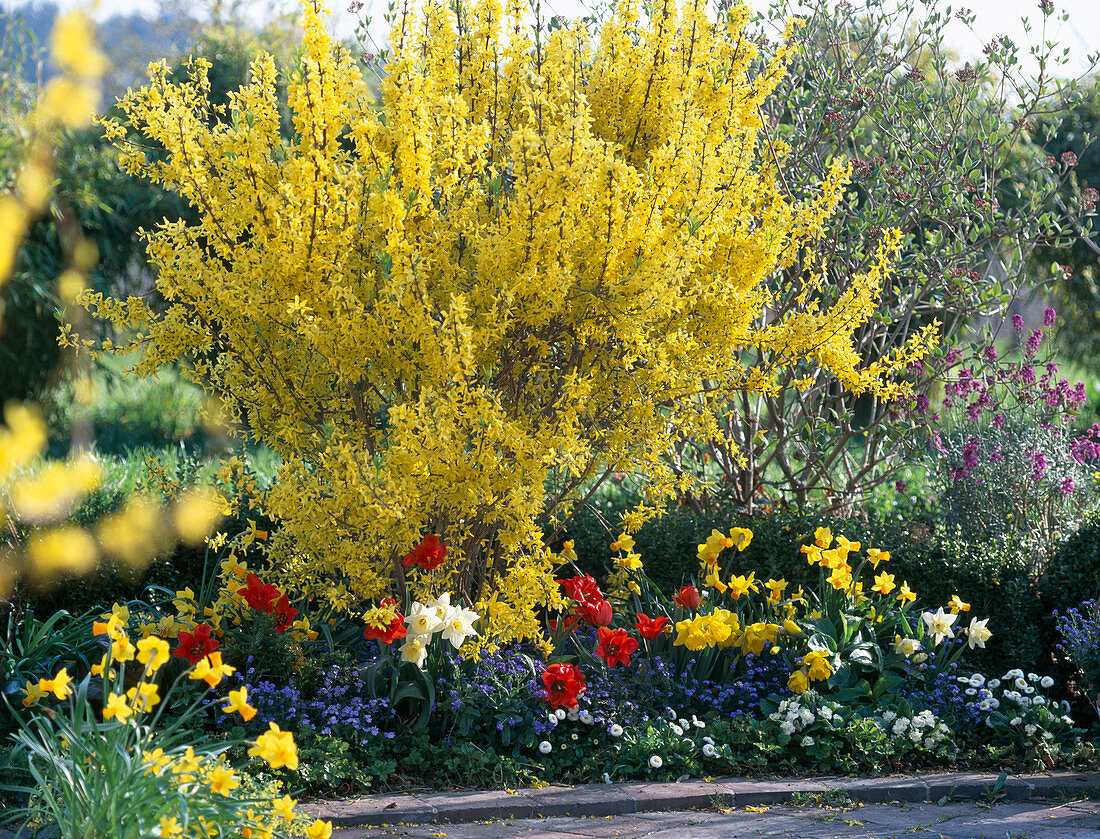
1081	33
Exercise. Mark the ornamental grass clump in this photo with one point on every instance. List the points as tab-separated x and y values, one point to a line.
531	263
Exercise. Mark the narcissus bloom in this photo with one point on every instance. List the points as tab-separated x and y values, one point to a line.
939	625
977	634
615	646
819	664
153	652
884	583
564	683
277	747
116	706
58	685
798	682
957	605
422	620
238	702
906	594
211	670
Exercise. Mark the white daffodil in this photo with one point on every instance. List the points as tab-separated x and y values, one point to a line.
977	634
414	651
458	625
655	762
421	620
545	747
939	625
441	605
906	646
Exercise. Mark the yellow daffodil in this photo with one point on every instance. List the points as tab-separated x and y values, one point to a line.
153	652
144	697
875	556
884	583
798	682
819	664
116	707
211	669
58	685
823	537
957	605
906	594
222	780
32	693
277	747
238	702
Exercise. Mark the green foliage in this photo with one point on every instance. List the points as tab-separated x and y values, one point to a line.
33	648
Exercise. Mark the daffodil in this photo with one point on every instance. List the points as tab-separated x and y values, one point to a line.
939	625
458	625
977	634
116	707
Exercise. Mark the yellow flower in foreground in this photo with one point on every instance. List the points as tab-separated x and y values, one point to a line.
775	589
116	707
144	697
624	543
238	701
277	748
957	605
906	594
58	685
222	780
813	553
319	830
823	537
211	670
714	581
170	827
153	652
284	807
798	683
819	664
122	649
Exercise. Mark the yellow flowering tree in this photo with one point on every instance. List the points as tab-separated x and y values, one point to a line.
534	260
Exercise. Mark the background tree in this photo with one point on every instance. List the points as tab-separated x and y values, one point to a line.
453	312
940	151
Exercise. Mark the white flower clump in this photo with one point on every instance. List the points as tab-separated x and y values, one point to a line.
454	624
922	729
1016	701
793	716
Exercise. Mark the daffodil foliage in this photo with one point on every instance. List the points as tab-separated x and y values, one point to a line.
534	258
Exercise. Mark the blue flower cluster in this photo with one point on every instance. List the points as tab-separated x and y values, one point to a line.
340	705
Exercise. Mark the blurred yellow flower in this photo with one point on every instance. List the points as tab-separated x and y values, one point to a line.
277	747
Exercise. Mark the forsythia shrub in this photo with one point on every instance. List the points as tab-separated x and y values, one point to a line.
534	261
